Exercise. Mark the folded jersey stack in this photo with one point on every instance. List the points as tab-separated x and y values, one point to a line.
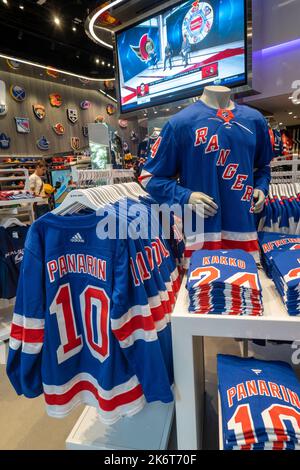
286	277
224	282
272	243
260	404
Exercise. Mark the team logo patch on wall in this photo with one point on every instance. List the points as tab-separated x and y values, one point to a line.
75	143
99	118
3	105
55	100
111	109
52	73
17	93
85	131
123	123
43	143
4	141
23	125
72	114
39	111
85	104
13	64
59	129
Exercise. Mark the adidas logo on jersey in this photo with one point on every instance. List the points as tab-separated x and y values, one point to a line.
257	371
77	238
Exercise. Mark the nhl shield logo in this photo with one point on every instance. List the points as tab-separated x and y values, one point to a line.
72	114
39	111
75	143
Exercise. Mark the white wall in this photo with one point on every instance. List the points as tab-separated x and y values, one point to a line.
275	22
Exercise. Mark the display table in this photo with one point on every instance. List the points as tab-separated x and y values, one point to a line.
188	331
147	430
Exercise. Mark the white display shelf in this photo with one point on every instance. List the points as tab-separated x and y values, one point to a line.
21	201
188	331
148	430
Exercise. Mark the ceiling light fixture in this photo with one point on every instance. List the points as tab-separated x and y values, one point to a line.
108	65
290	113
179	107
21	7
74	28
295	117
5	2
281	123
102	63
57	20
44	67
94	19
97	61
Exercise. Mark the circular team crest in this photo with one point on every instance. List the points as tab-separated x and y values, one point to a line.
13	64
198	22
18	93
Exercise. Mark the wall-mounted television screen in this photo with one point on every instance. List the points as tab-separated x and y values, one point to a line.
174	54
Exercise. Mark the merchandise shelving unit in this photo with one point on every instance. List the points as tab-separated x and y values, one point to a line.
188	331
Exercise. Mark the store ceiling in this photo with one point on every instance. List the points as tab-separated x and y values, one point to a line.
281	108
51	32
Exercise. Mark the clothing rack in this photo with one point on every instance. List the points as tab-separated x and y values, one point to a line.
285	171
87	178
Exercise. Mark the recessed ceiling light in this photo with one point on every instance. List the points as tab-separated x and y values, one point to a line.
155	112
102	63
114	68
108	65
74	28
290	113
5	2
281	123
57	20
97	61
21	7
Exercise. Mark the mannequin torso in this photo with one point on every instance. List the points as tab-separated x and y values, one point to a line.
218	97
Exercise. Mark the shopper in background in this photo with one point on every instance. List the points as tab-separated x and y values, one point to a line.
37	187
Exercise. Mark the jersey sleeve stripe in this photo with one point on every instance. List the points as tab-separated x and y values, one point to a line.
86	386
147	336
136	323
27	335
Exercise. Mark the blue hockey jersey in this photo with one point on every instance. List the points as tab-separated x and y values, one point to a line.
83	331
12	241
224	154
260	403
